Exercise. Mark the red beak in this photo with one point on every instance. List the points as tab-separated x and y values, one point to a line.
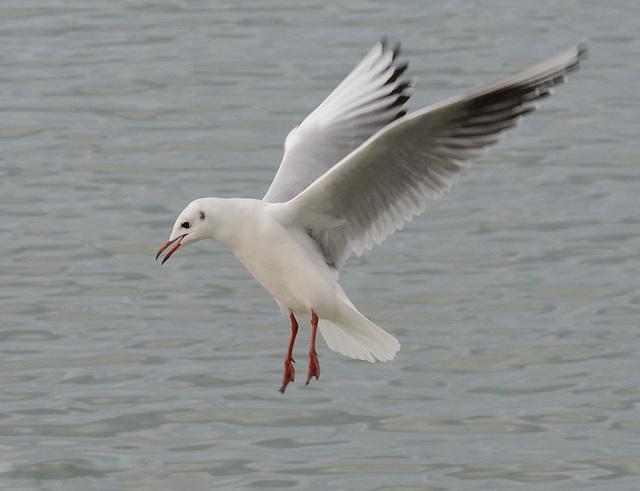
174	249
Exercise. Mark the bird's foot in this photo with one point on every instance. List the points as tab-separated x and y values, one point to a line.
289	373
314	366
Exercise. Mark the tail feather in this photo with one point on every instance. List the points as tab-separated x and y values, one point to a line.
351	334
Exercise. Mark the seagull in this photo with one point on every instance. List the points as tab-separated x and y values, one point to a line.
353	172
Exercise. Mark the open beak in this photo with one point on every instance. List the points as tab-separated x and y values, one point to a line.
177	241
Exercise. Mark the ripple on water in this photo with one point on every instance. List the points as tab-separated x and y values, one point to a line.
515	297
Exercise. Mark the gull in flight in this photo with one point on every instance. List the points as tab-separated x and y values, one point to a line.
353	172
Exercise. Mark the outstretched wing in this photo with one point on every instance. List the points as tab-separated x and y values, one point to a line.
372	96
387	180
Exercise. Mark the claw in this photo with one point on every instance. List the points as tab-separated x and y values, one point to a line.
314	366
289	373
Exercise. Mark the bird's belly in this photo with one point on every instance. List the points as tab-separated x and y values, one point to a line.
298	278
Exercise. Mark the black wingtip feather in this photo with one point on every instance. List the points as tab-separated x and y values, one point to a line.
400	114
400	68
583	50
400	101
401	87
384	41
396	48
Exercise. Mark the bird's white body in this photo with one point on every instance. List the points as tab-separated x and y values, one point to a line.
281	257
288	263
354	171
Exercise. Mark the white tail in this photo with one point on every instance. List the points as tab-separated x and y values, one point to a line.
351	334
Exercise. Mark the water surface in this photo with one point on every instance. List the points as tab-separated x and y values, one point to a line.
516	297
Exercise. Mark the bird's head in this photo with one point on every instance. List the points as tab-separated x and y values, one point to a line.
190	227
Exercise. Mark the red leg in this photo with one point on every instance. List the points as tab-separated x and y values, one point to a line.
314	365
289	372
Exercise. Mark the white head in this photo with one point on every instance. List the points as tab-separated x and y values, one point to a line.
190	227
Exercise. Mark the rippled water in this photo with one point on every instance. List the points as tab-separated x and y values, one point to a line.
516	298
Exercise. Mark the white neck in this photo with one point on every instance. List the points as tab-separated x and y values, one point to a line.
231	222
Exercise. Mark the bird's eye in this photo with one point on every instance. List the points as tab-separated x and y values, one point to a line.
185	225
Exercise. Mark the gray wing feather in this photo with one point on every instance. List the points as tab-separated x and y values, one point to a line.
369	98
387	180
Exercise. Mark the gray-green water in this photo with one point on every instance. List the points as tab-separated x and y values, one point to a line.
516	297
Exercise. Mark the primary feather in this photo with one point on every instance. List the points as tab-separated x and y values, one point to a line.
387	180
369	98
